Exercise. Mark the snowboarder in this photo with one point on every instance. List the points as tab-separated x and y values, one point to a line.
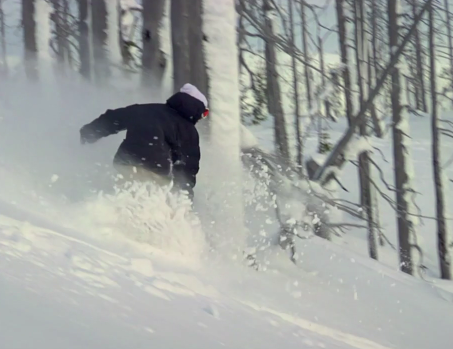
161	143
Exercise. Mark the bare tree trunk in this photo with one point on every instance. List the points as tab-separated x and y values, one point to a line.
99	40
362	58
374	37
30	45
342	35
335	158
305	52
364	161
412	83
372	71
359	49
374	116
153	58
450	39
323	75
56	19
399	151
421	103
273	86
66	14
60	34
198	72
295	88
324	144
84	44
373	67
4	60
180	43
442	232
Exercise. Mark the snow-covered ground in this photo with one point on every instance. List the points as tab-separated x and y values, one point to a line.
382	152
84	269
58	290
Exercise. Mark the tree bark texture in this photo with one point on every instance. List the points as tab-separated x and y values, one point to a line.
99	40
180	42
399	152
273	86
29	36
198	70
442	232
342	36
153	58
84	43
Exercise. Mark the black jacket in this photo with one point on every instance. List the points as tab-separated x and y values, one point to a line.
159	137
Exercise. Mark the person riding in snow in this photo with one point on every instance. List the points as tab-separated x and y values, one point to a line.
161	143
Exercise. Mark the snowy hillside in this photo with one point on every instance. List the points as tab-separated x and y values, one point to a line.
83	269
62	291
84	264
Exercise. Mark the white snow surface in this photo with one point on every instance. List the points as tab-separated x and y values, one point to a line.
61	290
85	266
86	269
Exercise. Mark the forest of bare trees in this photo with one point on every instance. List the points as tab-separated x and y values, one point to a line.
393	61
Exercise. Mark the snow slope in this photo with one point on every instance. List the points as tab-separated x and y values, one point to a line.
61	291
84	266
356	239
78	272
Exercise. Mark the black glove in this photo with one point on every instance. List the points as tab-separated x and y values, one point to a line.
86	136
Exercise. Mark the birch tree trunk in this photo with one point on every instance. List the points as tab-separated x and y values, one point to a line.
442	231
225	176
275	107
29	35
153	58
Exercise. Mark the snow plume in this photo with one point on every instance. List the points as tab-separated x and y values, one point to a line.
275	199
45	170
145	214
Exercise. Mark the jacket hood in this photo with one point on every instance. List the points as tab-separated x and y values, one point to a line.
194	92
190	108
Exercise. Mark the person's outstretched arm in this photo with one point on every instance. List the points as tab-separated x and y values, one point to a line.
111	122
